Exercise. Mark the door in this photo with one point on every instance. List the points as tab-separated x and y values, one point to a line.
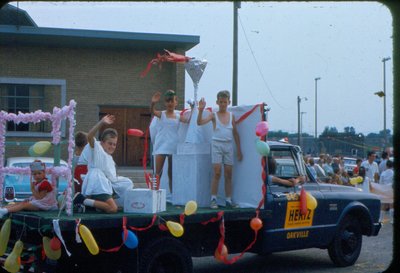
130	149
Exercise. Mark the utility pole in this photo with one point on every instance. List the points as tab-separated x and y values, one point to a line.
316	103
236	6
298	120
384	101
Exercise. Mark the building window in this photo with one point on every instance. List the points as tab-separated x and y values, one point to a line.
28	95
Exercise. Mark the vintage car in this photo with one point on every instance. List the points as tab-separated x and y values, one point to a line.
17	187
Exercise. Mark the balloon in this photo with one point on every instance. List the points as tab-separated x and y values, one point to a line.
176	229
311	201
5	236
89	240
190	208
135	132
262	147
224	253
256	224
31	152
50	253
303	201
356	180
13	262
131	240
55	243
41	147
262	128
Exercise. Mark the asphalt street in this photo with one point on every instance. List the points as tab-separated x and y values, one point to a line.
376	255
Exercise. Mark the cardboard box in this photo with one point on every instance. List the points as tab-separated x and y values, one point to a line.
145	201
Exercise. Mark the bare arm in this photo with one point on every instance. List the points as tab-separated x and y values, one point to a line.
108	119
156	98
285	182
200	119
237	139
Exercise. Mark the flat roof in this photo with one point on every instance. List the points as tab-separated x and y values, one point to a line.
78	38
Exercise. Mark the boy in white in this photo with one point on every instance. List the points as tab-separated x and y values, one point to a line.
386	180
97	187
222	145
371	167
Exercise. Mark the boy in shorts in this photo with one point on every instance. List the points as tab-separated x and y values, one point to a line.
224	132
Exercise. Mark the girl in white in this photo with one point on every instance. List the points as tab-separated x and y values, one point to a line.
97	188
166	139
43	195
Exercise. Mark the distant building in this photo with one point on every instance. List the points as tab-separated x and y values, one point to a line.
45	67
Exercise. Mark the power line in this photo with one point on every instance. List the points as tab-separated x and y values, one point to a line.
258	66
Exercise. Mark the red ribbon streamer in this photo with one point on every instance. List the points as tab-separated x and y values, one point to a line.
145	228
117	248
214	219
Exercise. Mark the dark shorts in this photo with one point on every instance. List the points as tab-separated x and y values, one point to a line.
100	197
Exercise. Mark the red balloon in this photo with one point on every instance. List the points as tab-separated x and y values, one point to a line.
256	224
135	132
55	243
303	201
224	253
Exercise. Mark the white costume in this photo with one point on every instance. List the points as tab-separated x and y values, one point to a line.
102	175
166	137
364	185
370	169
386	177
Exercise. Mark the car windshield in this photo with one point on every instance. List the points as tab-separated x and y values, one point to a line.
349	161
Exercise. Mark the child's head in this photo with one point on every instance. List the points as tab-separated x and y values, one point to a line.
171	100
38	170
223	99
108	140
80	139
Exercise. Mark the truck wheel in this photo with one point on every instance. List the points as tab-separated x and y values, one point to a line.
346	245
165	255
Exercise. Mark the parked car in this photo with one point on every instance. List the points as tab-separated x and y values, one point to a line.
17	187
349	164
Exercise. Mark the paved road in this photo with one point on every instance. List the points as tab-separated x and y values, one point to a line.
375	256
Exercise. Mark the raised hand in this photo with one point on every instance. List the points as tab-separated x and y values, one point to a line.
156	97
108	119
202	104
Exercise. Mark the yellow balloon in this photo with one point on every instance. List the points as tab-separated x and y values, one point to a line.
89	240
311	201
356	180
41	147
5	236
50	253
12	263
190	207
176	229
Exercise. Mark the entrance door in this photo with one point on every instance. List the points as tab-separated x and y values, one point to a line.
129	151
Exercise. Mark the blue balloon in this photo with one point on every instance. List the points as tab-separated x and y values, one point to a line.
131	240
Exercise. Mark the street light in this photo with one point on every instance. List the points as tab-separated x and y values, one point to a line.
301	125
384	100
298	119
316	87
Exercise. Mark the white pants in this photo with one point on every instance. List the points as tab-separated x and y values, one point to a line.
120	187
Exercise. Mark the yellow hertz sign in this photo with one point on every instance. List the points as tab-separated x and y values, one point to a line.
294	219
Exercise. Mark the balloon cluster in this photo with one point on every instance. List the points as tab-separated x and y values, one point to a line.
356	180
176	229
262	131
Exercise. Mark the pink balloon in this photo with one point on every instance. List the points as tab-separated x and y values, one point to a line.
262	128
135	132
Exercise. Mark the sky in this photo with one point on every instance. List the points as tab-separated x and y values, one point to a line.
282	48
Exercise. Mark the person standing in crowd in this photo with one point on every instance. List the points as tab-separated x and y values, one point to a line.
371	167
357	167
382	164
386	180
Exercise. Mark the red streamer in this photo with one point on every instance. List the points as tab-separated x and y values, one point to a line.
117	248
214	219
147	227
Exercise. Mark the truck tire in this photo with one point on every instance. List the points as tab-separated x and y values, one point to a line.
345	247
165	255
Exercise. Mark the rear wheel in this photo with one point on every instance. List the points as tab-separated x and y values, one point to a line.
345	248
165	255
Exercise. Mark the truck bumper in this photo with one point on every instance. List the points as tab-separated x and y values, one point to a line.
376	228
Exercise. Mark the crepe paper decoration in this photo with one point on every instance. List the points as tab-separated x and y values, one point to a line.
168	56
303	201
57	230
135	132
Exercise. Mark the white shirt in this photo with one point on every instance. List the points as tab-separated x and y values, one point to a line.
223	132
166	138
370	169
382	165
386	177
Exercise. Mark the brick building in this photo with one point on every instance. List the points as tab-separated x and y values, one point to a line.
45	67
